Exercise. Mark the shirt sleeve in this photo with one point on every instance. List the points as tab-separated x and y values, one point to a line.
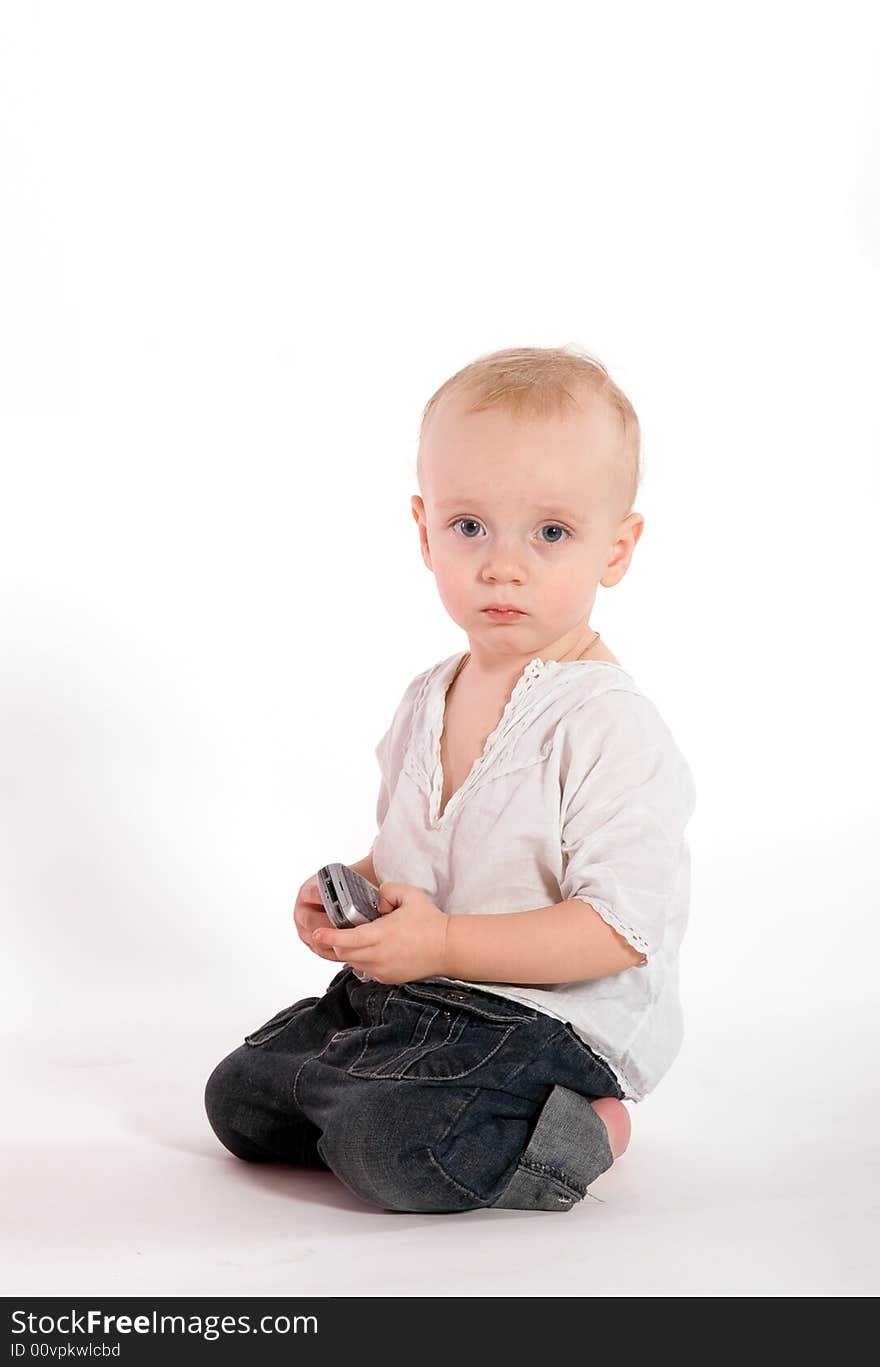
383	801
627	796
392	747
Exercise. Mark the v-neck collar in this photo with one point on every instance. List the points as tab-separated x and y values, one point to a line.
422	757
533	670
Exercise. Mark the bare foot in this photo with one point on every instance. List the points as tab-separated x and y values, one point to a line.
616	1119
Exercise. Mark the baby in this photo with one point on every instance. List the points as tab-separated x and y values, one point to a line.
521	980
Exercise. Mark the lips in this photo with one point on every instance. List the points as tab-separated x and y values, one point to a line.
501	607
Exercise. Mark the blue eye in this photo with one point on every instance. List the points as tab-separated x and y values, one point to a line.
474	523
558	529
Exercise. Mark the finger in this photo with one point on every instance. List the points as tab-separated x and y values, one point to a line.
309	918
314	923
314	919
357	958
390	897
332	939
349	941
319	945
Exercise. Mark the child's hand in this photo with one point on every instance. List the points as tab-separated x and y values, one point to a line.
407	941
309	915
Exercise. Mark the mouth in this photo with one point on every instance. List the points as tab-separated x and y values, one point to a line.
503	610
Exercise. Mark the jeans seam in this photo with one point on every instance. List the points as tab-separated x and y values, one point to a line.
557	1175
420	1034
527	1063
475	1196
544	1171
398	1057
470	1098
289	1013
405	1076
310	1059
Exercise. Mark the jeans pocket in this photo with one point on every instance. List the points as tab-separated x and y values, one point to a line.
276	1024
432	1032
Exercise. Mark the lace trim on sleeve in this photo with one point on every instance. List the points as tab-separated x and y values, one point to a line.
613	920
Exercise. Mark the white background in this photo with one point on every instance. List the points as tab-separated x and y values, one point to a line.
240	247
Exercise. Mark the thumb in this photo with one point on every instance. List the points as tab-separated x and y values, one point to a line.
390	897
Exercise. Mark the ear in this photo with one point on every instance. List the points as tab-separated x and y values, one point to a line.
417	505
628	534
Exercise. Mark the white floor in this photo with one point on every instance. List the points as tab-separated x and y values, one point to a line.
734	1184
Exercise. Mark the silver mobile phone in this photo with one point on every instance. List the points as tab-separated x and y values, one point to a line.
349	899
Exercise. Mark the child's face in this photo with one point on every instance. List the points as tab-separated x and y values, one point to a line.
521	511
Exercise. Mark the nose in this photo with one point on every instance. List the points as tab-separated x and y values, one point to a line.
499	573
502	566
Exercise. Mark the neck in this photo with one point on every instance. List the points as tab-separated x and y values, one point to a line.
575	645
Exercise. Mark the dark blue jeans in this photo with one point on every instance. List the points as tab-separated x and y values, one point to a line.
419	1097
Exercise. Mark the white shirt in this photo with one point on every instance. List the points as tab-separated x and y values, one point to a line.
580	792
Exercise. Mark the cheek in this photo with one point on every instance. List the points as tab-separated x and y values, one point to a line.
565	583
454	578
453	586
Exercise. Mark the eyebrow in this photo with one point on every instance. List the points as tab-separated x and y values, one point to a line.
555	509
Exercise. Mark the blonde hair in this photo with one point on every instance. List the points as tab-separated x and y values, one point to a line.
538	382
